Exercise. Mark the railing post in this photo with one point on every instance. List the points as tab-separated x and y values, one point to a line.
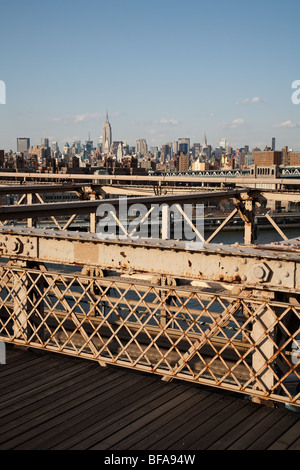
20	302
93	215
263	337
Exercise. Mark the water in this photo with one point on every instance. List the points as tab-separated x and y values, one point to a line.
263	236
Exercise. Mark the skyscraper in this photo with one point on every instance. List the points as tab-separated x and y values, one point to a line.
45	142
141	147
23	144
107	136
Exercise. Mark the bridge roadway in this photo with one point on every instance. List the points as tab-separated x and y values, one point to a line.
259	181
55	402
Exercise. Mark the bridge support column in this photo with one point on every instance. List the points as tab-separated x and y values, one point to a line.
93	215
30	221
246	209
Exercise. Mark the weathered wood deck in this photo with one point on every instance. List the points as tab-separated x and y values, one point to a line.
52	402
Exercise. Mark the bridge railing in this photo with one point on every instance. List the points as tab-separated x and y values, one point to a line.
230	341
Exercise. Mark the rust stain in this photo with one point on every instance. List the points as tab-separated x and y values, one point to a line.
123	254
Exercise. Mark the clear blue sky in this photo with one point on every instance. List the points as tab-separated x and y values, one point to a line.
164	69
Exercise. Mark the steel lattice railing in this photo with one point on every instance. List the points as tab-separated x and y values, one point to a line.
238	343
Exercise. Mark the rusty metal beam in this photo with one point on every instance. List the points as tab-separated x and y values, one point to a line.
273	267
41	188
85	207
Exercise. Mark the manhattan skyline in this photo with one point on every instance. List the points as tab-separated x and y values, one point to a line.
164	70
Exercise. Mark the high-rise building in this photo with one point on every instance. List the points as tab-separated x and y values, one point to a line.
141	147
182	162
166	152
185	144
175	147
45	142
55	148
23	144
196	149
107	136
223	143
273	143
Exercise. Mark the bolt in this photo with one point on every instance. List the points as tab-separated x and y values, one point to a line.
259	272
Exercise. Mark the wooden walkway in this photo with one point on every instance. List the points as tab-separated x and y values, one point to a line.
53	402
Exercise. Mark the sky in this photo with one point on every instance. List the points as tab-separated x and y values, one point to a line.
164	69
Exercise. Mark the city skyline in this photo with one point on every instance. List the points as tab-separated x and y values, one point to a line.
168	69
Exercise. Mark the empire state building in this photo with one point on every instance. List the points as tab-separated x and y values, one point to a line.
107	136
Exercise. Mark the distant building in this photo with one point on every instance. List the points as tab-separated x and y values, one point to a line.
267	158
273	143
166	152
141	147
182	162
23	145
285	156
107	136
196	149
45	142
2	153
294	158
184	145
54	147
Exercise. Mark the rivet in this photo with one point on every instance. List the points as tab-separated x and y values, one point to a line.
244	278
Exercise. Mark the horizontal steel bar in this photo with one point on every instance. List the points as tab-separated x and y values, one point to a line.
85	207
41	188
242	180
274	267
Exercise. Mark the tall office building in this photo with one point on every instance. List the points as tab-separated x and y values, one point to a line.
23	144
106	136
54	146
273	143
45	142
141	147
184	145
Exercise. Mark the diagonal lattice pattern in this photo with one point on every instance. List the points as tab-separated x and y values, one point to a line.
233	342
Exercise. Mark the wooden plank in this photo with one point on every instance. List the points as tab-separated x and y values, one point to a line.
55	412
64	403
136	421
21	411
275	431
201	424
255	414
222	423
142	437
82	429
287	438
207	408
99	425
252	437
